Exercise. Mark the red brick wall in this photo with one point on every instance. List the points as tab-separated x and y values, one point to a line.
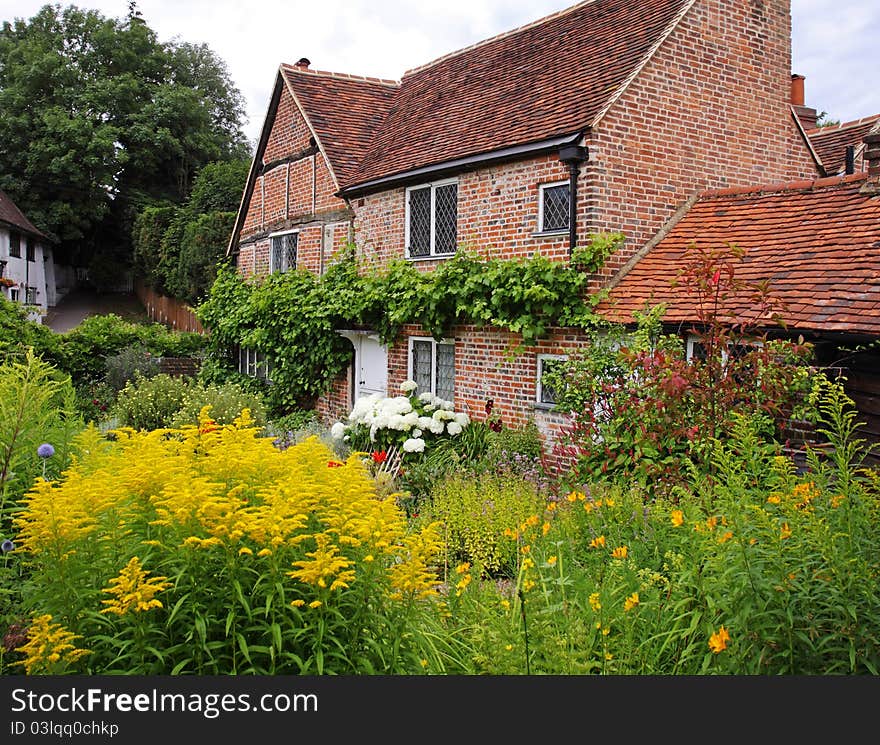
291	192
710	110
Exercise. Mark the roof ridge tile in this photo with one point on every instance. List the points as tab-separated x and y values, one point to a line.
339	75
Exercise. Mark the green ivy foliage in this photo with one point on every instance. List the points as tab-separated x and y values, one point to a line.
292	317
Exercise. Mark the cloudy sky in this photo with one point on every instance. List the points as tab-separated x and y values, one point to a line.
834	44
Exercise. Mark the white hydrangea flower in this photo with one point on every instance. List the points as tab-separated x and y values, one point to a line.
337	431
408	386
453	428
436	426
462	419
424	422
416	433
414	445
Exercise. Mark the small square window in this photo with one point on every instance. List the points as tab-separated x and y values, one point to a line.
283	256
553	207
546	363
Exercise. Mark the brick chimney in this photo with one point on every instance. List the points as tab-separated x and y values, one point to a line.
871	155
805	114
303	63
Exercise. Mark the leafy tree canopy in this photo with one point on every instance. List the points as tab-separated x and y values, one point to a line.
99	119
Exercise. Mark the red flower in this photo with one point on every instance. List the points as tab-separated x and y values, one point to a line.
380	457
716	278
489	405
334	464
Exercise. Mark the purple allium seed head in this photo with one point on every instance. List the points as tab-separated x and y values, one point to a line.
45	450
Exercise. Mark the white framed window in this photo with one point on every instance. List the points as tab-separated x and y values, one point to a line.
30	295
553	207
14	294
544	394
253	364
282	252
432	366
432	219
696	349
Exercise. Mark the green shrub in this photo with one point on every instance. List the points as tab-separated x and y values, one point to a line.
481	514
227	401
128	362
150	403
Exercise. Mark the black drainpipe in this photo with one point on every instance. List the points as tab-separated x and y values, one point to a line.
572	156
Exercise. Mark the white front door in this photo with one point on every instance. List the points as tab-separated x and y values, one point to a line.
370	363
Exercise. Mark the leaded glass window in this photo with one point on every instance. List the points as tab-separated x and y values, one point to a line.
432	367
546	363
554	207
432	219
420	222
445	219
283	256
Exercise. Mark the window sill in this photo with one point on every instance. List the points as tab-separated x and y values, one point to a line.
551	233
544	407
433	257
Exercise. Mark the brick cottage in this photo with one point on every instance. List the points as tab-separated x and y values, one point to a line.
627	111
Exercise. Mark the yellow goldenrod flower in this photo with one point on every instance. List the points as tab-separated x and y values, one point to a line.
598	542
726	537
463	568
263	552
594	602
712	522
415	572
619	552
677	518
551	506
315	604
324	563
718	640
572	496
526	548
132	590
545	528
774	499
785	531
605	631
551	560
527	585
48	644
245	551
631	602
462	584
298	603
608	502
533	520
505	604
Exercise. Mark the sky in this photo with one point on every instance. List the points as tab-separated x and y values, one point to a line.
834	42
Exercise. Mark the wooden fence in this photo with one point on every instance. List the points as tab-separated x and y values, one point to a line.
173	313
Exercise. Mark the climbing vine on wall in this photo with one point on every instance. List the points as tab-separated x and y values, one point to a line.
292	317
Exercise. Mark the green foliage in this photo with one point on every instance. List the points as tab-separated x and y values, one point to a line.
481	515
178	249
18	334
127	363
642	411
98	118
754	570
292	317
226	403
85	349
37	405
164	401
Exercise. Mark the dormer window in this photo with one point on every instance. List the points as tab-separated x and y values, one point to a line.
432	220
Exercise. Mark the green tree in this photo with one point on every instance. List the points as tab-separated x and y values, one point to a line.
99	119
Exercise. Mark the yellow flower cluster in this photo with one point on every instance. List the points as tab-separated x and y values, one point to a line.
49	647
226	488
718	640
133	591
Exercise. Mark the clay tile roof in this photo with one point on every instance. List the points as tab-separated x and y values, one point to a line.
550	78
818	244
344	111
12	215
830	143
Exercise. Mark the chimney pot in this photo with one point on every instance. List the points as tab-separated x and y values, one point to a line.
303	63
871	155
797	90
